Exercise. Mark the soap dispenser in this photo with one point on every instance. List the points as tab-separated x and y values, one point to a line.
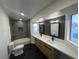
52	38
40	34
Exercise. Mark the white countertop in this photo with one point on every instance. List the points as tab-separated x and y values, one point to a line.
59	45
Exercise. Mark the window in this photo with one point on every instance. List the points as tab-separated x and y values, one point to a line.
74	28
35	28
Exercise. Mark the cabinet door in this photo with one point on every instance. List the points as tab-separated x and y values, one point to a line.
47	51
44	49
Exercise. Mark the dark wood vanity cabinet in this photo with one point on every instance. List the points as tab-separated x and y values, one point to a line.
48	51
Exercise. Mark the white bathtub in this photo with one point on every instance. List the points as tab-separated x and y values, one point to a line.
24	41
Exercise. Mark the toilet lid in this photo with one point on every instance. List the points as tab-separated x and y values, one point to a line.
18	47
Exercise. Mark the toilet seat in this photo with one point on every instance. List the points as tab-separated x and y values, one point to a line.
18	47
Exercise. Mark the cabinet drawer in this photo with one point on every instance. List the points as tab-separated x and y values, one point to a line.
38	45
37	41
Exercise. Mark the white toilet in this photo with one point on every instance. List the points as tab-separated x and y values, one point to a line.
16	50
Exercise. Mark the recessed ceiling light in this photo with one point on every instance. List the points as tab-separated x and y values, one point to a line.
22	14
20	19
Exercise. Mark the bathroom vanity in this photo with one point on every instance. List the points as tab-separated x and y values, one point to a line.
54	46
48	51
53	49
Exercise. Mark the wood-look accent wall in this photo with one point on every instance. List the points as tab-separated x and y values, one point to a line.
45	27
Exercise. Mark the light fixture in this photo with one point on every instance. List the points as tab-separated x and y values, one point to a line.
20	19
40	20
41	23
22	14
54	21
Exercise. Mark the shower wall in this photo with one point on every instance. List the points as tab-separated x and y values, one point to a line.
19	29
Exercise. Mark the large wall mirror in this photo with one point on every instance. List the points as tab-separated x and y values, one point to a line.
53	27
57	27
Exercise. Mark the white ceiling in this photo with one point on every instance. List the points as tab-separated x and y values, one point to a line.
28	7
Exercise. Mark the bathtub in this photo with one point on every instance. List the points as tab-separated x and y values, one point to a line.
24	41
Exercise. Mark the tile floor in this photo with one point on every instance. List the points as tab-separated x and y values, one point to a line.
30	52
